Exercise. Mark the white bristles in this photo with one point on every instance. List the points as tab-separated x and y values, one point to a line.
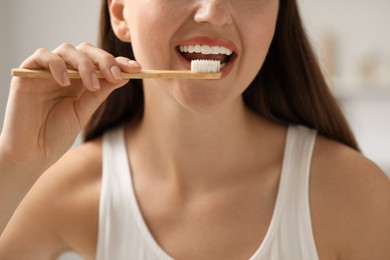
205	66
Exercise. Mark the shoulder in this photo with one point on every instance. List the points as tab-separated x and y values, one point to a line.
61	210
350	201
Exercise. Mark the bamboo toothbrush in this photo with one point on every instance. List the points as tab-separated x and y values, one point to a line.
200	69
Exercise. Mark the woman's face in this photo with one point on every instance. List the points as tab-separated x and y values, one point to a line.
167	34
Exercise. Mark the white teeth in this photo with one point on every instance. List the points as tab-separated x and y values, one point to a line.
205	49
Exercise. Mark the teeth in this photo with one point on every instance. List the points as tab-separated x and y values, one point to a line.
205	49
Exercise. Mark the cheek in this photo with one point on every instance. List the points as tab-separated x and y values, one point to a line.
151	27
259	36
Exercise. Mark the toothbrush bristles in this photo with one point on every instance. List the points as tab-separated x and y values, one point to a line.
205	66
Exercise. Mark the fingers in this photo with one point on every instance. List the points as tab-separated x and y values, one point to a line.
127	65
78	60
43	58
86	58
110	66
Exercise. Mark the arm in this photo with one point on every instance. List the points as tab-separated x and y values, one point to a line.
44	116
16	180
60	211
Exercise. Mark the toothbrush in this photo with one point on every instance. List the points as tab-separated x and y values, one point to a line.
200	69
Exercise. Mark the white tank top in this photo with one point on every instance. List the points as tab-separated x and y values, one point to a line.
123	233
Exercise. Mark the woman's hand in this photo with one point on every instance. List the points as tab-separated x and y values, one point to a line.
44	116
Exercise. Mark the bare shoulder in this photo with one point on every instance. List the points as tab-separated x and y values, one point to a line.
350	202
61	210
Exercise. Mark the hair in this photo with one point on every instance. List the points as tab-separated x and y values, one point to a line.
290	88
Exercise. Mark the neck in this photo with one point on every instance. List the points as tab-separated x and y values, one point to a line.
192	147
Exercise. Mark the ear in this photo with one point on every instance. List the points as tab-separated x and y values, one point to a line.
118	22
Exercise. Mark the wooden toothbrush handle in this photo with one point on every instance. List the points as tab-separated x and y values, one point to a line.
144	74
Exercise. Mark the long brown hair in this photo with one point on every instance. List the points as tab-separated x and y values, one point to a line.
290	87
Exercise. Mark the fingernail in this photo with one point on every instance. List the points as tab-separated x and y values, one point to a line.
116	72
95	82
134	63
65	79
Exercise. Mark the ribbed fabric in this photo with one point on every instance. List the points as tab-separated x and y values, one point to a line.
123	233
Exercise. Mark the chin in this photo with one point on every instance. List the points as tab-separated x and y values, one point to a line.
201	100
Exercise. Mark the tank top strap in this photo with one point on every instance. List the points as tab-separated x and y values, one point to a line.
114	208
122	234
297	161
295	224
290	235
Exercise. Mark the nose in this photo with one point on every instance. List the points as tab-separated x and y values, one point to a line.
215	12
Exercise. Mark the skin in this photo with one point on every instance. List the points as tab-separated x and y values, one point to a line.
197	172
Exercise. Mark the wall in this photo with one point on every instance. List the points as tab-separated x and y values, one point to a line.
352	40
359	30
4	58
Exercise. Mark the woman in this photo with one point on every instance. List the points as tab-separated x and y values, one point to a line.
188	169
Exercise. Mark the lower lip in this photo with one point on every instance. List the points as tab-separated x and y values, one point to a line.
225	70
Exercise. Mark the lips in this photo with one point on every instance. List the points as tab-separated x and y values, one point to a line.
203	48
205	52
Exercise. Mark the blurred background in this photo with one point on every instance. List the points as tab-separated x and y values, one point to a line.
351	38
